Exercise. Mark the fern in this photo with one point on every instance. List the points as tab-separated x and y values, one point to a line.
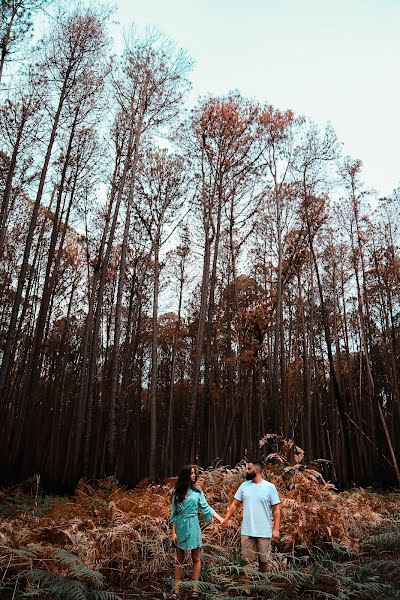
348	582
27	553
340	551
58	586
202	586
389	569
102	595
293	576
77	569
389	541
264	586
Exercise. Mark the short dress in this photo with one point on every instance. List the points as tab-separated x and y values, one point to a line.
185	516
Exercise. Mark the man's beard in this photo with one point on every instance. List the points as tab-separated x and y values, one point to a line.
251	475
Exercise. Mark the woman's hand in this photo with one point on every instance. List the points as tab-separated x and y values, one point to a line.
218	517
174	538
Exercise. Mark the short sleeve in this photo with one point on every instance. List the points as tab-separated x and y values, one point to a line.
274	496
205	508
239	493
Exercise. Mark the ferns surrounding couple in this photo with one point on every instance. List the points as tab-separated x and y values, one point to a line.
333	545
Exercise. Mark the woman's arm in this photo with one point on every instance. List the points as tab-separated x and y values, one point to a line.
207	511
173	520
173	535
217	517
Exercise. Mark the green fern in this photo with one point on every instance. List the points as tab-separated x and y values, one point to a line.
58	586
292	576
203	587
102	595
348	582
389	569
388	541
27	553
76	569
343	552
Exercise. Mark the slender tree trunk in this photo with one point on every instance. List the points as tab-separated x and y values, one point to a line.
8	186
121	285
193	404
154	365
168	459
6	39
85	405
348	476
50	275
9	347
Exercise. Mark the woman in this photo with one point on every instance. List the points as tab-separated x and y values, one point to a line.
187	499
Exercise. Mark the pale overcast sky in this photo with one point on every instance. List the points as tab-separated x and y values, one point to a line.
331	60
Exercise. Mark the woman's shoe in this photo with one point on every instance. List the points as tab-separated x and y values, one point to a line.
194	594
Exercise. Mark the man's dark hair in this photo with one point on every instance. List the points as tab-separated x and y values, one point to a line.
257	462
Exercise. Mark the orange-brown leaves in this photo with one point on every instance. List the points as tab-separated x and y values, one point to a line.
226	129
275	122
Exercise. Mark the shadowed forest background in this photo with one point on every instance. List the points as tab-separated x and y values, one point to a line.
176	282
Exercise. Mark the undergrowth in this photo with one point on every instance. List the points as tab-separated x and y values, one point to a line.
107	542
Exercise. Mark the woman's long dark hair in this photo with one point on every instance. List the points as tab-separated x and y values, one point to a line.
184	483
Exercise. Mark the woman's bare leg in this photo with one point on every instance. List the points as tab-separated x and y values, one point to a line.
196	558
180	557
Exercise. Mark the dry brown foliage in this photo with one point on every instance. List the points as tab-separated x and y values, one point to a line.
125	534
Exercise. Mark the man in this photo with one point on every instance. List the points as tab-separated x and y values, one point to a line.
261	515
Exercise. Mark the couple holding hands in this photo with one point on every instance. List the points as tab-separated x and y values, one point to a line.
260	524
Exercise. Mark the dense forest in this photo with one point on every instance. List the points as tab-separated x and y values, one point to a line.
178	281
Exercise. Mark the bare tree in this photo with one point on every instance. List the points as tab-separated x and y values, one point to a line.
224	152
161	188
15	25
74	48
20	118
148	91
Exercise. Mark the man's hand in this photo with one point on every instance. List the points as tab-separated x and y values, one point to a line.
275	535
174	538
235	504
224	523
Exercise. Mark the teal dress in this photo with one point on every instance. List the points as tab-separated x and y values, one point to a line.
185	516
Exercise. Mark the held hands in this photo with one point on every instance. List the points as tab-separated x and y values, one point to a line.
224	523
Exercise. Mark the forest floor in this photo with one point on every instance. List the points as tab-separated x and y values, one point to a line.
106	541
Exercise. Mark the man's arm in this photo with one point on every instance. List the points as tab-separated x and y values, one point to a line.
276	517
233	507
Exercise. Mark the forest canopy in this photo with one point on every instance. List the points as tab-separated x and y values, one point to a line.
180	281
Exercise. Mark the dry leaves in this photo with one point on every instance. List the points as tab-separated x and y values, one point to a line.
125	533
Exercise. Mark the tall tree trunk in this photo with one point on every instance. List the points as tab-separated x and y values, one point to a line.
121	284
168	449
154	365
193	403
8	186
348	476
9	347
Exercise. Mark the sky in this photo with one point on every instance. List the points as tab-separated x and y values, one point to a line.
334	61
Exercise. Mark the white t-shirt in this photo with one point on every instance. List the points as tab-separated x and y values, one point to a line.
258	500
